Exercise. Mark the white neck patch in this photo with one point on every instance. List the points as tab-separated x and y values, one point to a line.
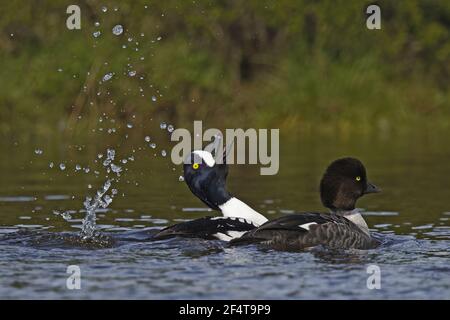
236	208
206	157
356	217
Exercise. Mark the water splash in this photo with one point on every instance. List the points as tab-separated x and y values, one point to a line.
117	30
107	76
103	197
66	215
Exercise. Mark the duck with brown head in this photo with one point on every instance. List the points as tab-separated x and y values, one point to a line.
343	183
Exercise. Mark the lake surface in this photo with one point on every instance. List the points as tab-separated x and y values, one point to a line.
411	215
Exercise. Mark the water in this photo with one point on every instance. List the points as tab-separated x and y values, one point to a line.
117	30
36	246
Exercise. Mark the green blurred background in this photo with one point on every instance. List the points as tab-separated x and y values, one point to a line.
302	66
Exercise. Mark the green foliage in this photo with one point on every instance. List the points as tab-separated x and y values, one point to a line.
294	64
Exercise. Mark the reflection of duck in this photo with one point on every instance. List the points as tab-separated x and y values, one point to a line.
207	180
343	183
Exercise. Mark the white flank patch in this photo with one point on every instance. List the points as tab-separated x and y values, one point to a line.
229	235
306	225
235	234
222	236
206	157
236	208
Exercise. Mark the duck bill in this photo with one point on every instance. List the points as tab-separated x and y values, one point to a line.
371	188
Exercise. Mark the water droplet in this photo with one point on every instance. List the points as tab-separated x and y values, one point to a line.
38	151
96	34
107	76
115	168
129	126
163	153
66	215
170	128
181	178
51	164
153	98
159	38
77	167
163	125
152	145
117	30
104	9
111	154
97	24
62	166
132	73
147	139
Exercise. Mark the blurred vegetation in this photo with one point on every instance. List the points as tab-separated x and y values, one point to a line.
301	65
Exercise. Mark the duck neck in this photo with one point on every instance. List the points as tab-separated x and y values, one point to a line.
237	209
355	217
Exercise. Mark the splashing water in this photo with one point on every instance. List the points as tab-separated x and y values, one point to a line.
65	215
117	30
107	76
101	199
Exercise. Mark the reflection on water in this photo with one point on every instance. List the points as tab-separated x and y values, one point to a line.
411	216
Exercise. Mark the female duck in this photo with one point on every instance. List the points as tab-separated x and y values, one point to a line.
343	183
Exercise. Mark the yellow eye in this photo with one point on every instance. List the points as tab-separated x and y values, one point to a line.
195	166
358	178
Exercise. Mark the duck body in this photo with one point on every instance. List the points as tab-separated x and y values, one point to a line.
208	228
305	230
